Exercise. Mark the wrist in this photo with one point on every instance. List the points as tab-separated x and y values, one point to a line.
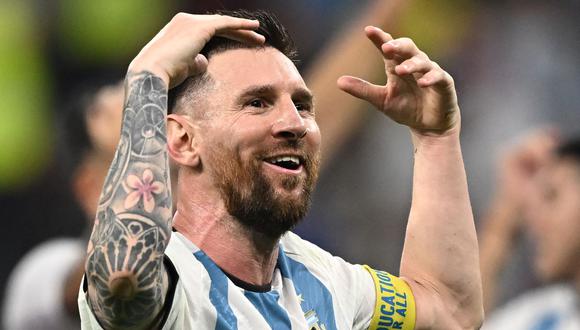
448	126
432	140
155	70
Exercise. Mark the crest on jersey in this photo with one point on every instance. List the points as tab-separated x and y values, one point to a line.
313	322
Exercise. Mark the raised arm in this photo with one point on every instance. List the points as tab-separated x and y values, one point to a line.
127	280
440	257
503	222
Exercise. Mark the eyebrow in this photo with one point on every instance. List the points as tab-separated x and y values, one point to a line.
301	94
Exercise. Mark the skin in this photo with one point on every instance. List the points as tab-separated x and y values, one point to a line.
440	259
553	221
504	221
248	122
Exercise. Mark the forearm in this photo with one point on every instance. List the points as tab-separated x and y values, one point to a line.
498	232
124	269
440	256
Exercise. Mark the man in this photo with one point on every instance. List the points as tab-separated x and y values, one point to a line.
43	287
244	135
539	193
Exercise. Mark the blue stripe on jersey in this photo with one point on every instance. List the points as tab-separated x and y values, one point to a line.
267	304
218	294
547	322
315	296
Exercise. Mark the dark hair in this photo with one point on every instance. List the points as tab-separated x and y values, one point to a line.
73	137
570	149
71	123
270	27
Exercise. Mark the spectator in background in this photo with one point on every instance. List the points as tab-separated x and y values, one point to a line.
43	287
539	192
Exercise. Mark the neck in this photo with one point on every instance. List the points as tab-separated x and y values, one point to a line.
577	281
246	254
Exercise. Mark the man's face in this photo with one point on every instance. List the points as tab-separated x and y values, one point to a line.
554	215
259	141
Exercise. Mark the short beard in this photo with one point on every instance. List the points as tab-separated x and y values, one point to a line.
250	198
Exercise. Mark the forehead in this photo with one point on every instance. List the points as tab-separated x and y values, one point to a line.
240	68
559	174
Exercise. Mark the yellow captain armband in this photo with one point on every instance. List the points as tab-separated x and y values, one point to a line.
395	304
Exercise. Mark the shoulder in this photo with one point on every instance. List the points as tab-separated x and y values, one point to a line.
35	287
48	260
550	300
552	295
49	251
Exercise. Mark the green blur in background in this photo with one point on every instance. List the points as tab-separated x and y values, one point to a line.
109	30
25	137
89	33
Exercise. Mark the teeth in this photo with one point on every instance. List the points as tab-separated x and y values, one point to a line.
292	159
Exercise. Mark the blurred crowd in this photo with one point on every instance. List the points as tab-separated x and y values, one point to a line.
516	66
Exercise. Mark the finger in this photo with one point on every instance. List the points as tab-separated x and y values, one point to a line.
229	22
377	36
417	66
198	65
362	89
195	67
402	49
243	36
437	78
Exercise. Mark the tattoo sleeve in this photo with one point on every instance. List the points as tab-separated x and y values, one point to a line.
124	270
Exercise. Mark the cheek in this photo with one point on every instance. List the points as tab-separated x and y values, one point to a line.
314	138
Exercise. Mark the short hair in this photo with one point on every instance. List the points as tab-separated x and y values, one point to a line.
570	149
274	32
73	137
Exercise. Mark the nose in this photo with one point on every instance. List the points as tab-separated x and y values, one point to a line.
289	124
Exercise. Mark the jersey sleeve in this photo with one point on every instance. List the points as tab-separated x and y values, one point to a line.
394	306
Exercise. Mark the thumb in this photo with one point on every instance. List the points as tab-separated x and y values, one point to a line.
198	66
194	67
362	89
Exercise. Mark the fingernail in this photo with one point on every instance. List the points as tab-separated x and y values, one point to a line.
393	43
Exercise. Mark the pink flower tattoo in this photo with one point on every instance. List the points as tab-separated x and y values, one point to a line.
143	189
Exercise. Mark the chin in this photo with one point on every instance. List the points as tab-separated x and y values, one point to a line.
548	273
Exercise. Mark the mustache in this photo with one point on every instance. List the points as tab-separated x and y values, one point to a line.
297	148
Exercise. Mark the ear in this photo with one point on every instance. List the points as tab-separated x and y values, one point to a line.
181	142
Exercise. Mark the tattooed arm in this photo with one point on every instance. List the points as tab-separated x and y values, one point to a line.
127	281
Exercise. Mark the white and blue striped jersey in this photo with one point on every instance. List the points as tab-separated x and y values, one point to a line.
310	289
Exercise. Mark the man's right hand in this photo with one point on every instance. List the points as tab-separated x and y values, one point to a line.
522	162
173	54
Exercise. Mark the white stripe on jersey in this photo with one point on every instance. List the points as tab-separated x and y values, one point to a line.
310	289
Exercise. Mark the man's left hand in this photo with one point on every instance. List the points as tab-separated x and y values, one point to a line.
418	93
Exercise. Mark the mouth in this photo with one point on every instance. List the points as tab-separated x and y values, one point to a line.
286	163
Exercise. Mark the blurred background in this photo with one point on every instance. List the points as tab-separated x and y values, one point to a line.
515	63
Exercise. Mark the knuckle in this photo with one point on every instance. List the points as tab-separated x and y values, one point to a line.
447	77
406	41
181	16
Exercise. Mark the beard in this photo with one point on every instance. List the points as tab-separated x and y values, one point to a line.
250	197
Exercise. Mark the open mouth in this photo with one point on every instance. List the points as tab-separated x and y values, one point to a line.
287	162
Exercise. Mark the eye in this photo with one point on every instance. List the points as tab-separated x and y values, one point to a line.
306	107
257	103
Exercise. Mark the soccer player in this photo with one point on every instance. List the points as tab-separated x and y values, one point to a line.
42	289
539	192
242	129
